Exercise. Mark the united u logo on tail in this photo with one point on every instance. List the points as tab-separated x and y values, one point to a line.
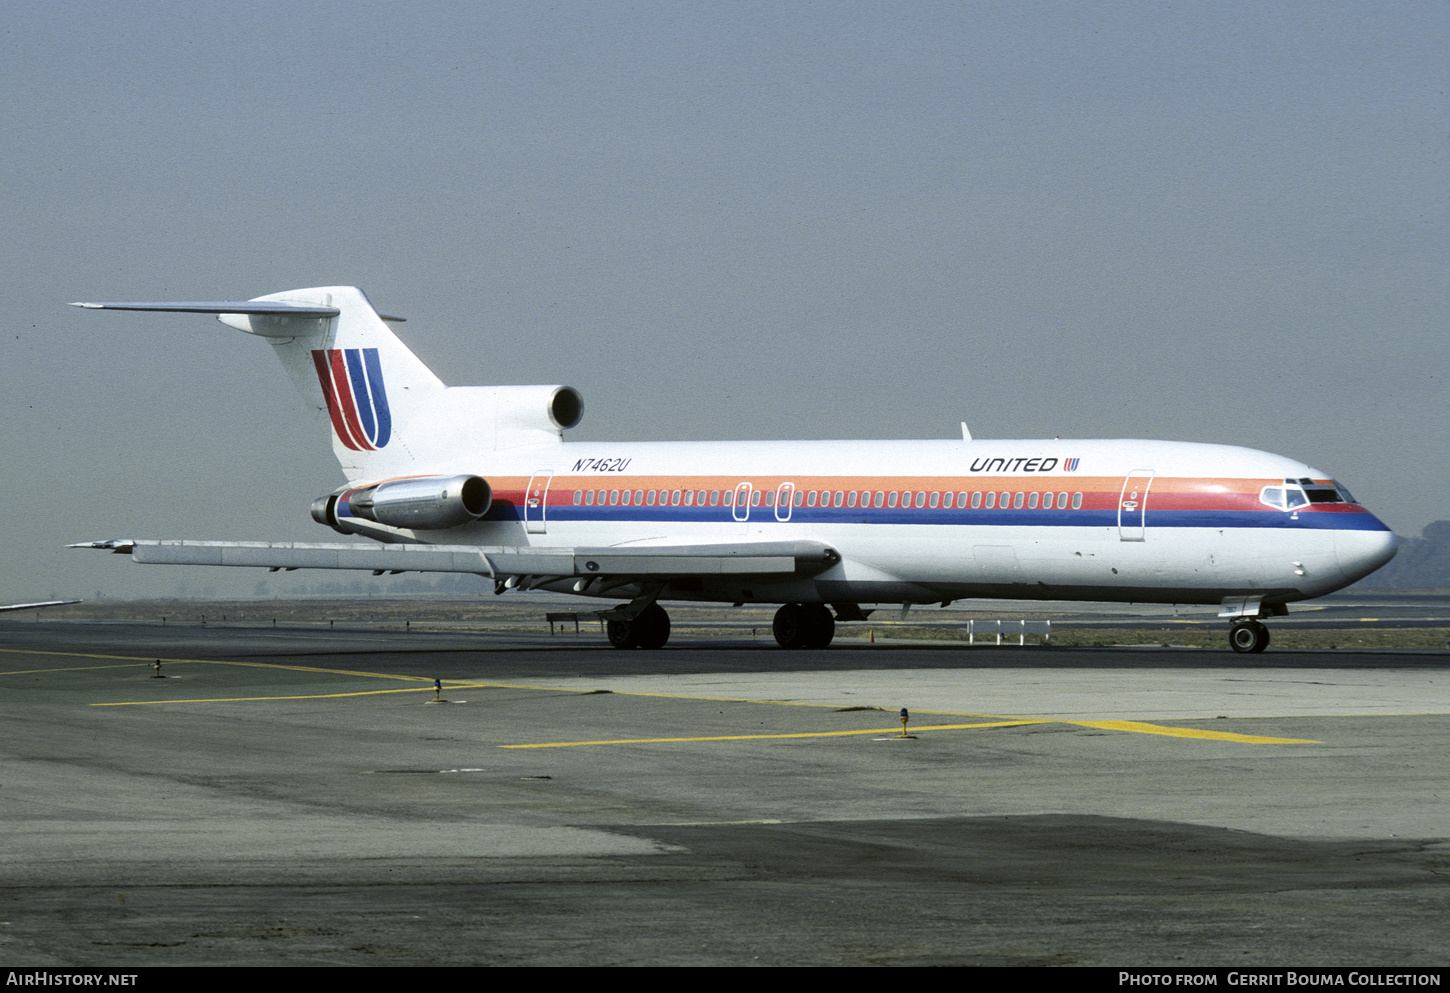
352	383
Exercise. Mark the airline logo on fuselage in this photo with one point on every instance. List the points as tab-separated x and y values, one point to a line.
1023	464
352	384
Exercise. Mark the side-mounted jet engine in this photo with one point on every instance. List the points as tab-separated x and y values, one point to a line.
422	503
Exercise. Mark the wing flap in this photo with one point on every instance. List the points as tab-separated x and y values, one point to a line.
744	558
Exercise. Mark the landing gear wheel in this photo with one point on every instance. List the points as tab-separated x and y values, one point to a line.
1248	637
652	626
803	625
789	626
621	634
649	629
820	623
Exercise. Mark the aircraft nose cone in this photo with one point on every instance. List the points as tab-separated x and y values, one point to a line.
1362	552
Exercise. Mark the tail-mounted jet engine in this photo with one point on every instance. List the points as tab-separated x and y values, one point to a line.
427	503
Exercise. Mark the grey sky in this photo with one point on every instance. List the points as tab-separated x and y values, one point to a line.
1208	222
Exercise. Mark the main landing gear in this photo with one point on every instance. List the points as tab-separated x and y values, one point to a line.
649	629
1248	637
796	625
803	625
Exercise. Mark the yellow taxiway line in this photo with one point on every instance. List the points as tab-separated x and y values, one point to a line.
892	732
1136	727
1140	728
152	660
248	699
997	720
72	668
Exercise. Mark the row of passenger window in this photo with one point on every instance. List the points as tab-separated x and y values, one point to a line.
650	498
934	499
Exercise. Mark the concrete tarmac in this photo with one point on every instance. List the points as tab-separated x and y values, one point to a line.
297	797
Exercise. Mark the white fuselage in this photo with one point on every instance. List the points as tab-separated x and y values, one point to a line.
924	521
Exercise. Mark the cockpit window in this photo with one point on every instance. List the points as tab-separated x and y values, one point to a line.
1286	497
1322	492
1297	493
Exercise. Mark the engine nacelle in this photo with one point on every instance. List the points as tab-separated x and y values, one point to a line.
427	503
491	418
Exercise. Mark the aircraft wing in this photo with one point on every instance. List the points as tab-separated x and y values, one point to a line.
32	606
644	561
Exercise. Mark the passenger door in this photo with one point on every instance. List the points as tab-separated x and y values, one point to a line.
1133	505
536	502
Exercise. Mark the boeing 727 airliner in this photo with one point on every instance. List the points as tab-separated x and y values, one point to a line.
480	480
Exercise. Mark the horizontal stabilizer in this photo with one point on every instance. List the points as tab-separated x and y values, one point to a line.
267	307
32	606
757	558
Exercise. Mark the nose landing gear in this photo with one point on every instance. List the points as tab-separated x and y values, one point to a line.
1248	637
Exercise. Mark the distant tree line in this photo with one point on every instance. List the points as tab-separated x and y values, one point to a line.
1422	563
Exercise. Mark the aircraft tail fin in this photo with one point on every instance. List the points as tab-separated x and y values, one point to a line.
389	414
351	365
